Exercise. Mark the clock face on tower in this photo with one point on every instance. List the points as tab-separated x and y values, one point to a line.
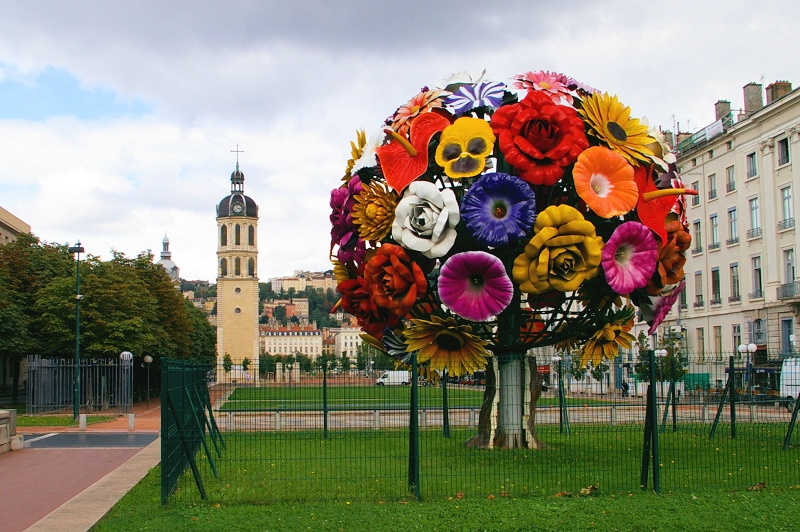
237	208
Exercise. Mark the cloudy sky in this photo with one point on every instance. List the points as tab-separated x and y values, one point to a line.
117	119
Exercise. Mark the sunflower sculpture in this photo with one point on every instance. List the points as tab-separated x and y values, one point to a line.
481	220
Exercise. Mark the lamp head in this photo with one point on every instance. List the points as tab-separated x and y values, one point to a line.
742	348
752	348
556	359
126	355
148	359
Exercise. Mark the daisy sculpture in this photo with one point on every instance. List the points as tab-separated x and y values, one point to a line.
483	220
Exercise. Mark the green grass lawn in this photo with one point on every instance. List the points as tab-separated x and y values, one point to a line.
365	397
763	511
264	468
56	420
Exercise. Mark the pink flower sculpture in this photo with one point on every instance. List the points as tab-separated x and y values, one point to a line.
475	285
663	306
629	257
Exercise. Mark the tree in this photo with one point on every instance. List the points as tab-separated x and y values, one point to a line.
245	364
203	337
227	363
279	313
345	362
577	369
598	373
674	361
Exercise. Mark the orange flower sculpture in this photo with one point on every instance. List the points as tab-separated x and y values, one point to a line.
604	180
395	281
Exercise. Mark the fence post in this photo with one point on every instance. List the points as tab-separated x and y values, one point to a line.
445	412
376	419
423	418
732	377
472	420
413	436
325	399
651	430
277	420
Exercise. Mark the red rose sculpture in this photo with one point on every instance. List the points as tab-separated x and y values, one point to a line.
395	281
357	300
539	138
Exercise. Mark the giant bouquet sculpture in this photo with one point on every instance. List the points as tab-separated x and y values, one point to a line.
482	221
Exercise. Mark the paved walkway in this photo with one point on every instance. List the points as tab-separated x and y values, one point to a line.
68	479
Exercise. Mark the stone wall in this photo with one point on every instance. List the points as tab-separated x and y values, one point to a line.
9	440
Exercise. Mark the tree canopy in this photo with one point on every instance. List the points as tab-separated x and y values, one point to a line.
129	304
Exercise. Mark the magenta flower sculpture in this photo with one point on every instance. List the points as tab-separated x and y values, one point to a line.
629	257
499	208
663	306
475	285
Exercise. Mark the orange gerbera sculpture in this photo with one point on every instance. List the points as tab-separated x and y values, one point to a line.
604	180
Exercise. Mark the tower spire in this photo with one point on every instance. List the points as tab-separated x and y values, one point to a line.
237	177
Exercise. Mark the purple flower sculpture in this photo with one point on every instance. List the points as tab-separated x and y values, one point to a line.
473	95
629	257
475	285
663	306
343	230
499	208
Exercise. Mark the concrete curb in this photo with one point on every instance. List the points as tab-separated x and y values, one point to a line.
84	510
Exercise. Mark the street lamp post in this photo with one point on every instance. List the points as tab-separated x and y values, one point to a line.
748	349
148	360
126	365
77	249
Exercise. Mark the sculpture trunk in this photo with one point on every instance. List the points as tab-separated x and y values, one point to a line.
513	385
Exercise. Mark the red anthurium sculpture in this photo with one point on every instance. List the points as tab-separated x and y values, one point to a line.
403	161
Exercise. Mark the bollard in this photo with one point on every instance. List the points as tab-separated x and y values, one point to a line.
613	415
376	420
472	421
423	418
277	421
231	428
750	407
131	422
704	415
82	422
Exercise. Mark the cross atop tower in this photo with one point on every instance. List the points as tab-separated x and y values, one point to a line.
237	151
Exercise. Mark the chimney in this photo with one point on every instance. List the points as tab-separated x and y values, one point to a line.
722	109
683	135
777	90
668	138
753	99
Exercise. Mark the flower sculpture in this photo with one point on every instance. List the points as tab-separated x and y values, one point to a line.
484	219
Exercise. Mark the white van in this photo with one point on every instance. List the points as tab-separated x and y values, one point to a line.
790	380
394	378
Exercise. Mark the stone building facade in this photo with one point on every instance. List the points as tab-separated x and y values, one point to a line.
741	269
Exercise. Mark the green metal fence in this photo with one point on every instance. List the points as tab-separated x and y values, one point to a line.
186	414
341	436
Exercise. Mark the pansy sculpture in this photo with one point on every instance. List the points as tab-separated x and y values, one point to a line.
482	220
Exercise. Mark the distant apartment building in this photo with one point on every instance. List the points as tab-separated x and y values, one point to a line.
295	306
302	280
740	272
346	341
11	226
291	340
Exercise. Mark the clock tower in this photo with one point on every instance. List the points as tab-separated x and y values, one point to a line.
237	282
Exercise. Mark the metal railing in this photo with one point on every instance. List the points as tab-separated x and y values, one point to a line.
712	193
106	385
698	249
787	223
735	298
789	290
732	241
698	302
756	294
712	246
716	301
730	186
754	232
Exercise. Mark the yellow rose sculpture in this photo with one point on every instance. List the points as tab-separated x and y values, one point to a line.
564	252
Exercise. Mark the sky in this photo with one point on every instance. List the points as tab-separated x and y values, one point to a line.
117	119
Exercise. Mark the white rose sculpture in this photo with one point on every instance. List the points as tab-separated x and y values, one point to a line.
426	219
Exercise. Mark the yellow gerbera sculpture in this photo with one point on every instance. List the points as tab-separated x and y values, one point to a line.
564	252
446	345
611	122
373	211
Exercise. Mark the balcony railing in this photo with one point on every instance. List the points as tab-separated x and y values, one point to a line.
732	241
698	301
716	301
754	232
789	290
758	294
734	299
713	246
684	305
698	249
730	186
788	223
712	193
784	159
